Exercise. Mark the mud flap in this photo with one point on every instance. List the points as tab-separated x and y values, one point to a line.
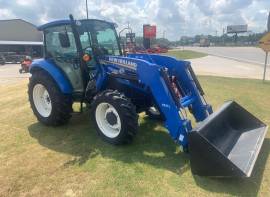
227	143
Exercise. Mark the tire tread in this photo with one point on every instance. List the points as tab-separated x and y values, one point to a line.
127	112
61	105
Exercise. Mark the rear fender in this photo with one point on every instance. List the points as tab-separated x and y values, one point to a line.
52	69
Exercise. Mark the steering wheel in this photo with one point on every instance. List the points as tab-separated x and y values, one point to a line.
84	49
99	50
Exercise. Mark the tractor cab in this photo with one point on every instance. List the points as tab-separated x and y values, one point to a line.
75	46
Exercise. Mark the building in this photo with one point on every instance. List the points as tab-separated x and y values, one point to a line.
20	37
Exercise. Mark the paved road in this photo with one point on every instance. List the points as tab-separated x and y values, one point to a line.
217	66
9	74
247	54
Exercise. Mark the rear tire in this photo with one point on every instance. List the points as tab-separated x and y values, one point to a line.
115	117
49	105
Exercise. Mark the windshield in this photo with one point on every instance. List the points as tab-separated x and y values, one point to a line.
99	35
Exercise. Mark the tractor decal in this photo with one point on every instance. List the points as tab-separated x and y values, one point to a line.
120	62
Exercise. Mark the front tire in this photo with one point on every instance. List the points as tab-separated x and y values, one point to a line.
115	117
49	105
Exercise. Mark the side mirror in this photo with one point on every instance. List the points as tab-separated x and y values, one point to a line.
64	39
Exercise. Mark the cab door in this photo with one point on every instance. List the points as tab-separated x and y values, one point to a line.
60	47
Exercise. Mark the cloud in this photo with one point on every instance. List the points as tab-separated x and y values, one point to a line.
211	8
6	13
172	17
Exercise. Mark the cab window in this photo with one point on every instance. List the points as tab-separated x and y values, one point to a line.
107	38
53	44
85	40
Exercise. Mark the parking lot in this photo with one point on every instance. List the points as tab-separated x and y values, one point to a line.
9	74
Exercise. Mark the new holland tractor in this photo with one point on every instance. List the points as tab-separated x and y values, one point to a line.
83	63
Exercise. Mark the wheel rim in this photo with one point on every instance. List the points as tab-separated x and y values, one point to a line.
42	100
110	128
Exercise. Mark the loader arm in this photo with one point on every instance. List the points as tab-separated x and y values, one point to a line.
170	105
192	93
155	78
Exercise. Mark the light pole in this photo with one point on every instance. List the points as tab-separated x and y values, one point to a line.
86	6
268	23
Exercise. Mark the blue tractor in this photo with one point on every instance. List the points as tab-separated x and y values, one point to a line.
83	62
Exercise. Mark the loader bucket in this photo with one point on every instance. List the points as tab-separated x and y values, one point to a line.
227	143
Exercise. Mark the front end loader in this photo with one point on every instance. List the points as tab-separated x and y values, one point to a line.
84	63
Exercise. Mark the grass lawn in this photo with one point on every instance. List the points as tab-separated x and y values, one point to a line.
72	160
185	54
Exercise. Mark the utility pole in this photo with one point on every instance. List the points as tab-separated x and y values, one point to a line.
266	54
164	34
86	6
235	39
216	38
223	35
265	65
268	23
264	44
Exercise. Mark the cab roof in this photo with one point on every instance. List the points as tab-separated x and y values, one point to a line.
66	22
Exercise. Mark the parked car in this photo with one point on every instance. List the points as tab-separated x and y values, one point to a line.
158	49
140	50
11	57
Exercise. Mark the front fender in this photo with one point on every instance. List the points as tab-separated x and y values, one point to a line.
55	72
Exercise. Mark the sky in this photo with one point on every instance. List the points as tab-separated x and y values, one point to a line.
174	18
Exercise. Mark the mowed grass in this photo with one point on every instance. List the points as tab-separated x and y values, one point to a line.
185	54
72	160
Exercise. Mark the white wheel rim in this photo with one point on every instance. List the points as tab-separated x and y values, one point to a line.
42	100
106	128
